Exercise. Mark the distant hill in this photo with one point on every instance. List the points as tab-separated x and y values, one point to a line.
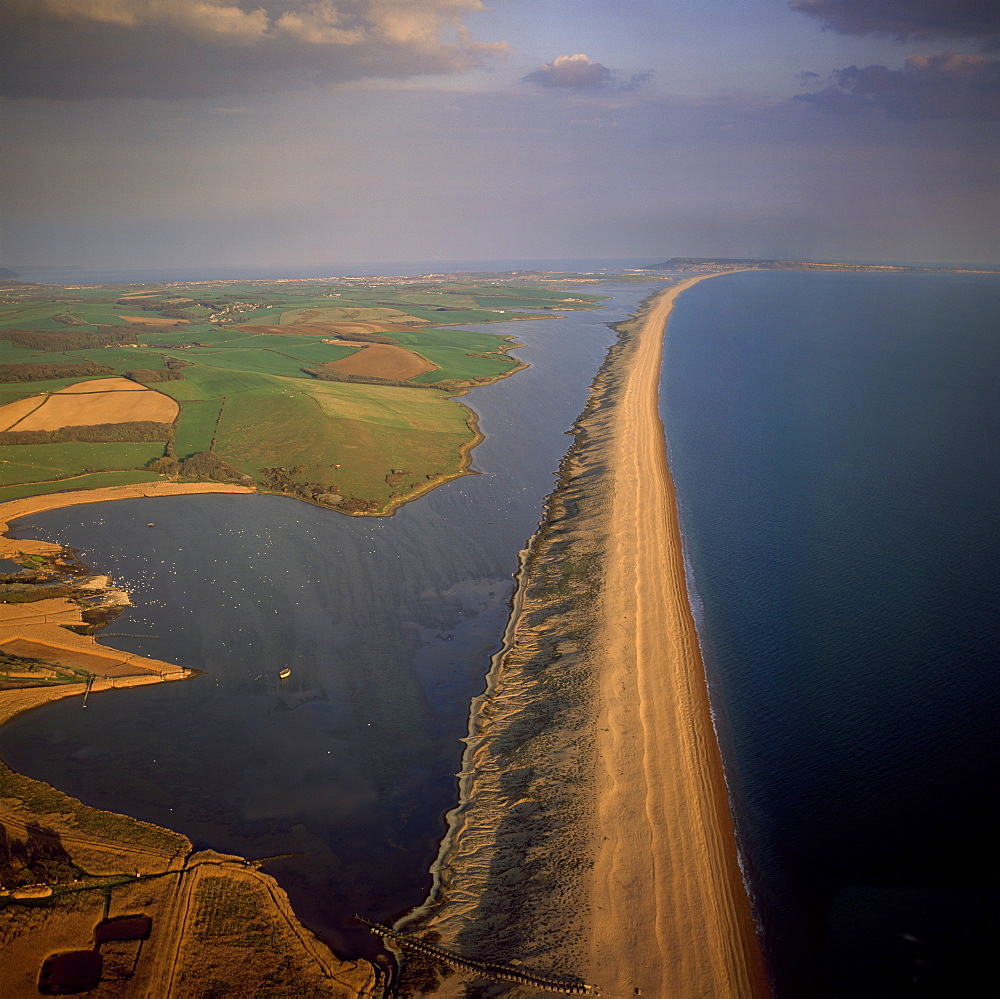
697	264
715	263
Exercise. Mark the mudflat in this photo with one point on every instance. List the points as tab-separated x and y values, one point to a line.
670	915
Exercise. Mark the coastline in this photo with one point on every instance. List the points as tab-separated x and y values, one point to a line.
593	838
668	881
65	866
45	626
26	506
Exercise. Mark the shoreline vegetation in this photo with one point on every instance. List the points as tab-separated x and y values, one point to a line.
593	839
72	876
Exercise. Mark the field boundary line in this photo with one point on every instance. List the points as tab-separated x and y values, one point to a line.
20	419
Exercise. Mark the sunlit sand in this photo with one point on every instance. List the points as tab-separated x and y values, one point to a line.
670	913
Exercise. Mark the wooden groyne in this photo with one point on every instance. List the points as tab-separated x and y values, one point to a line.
495	972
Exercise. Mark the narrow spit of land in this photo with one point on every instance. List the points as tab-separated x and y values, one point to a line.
593	839
670	912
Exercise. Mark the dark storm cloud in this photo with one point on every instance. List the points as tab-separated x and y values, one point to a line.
192	48
580	72
948	85
909	19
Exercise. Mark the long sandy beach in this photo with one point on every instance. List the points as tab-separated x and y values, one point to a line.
593	841
670	912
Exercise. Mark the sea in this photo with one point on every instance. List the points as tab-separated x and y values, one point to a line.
833	441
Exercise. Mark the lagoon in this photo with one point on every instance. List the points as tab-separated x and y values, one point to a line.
387	626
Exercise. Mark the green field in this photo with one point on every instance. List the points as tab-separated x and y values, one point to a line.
249	401
98	480
195	428
39	462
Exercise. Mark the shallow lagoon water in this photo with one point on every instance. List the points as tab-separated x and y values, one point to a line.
387	626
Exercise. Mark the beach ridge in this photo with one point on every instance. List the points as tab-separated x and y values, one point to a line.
673	905
593	837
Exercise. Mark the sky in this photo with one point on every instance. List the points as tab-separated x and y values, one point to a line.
295	133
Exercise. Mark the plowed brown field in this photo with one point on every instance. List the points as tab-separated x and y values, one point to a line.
382	360
102	400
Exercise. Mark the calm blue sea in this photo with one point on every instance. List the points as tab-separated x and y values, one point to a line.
834	440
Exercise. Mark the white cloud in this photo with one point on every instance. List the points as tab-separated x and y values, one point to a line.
574	71
580	72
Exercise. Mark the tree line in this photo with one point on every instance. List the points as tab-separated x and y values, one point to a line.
150	376
57	341
204	465
41	371
141	431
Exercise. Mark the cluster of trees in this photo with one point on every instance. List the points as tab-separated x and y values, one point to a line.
40	372
324	374
70	319
171	310
283	479
367	338
61	340
99	433
150	376
205	465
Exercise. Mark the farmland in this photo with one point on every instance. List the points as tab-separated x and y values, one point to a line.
343	395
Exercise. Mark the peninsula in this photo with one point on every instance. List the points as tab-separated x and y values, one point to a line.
341	393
